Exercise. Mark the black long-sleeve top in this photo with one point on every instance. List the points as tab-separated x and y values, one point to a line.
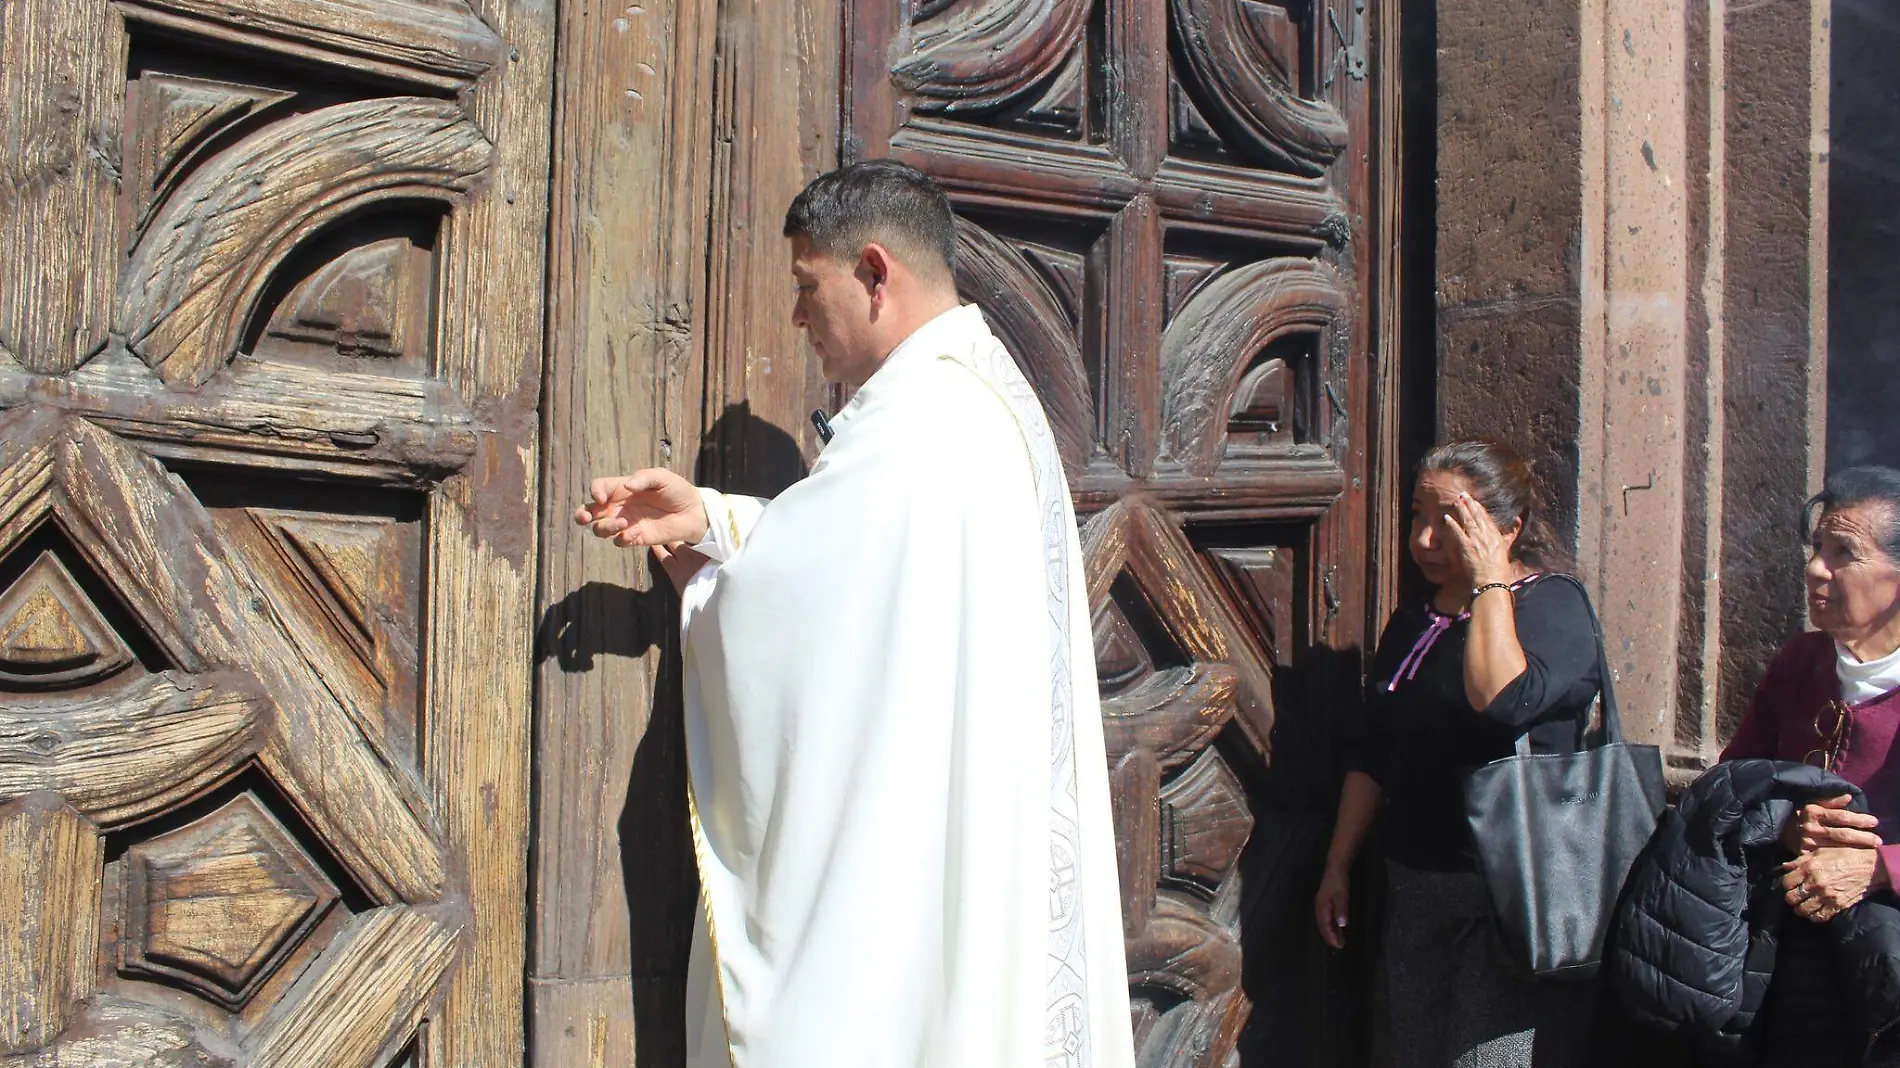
1419	736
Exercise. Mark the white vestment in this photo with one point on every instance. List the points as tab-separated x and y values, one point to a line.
900	792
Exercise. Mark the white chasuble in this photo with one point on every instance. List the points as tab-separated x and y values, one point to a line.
900	792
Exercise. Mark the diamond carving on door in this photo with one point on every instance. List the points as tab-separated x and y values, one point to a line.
269	350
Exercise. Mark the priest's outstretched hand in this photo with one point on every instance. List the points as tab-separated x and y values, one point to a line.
651	507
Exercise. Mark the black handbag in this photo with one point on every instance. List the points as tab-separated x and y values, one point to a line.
1557	833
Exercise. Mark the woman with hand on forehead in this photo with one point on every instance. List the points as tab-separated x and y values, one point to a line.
1831	698
1500	649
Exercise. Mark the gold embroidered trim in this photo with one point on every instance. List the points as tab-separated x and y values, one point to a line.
712	925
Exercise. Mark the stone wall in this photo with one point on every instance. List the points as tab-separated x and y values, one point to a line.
1631	272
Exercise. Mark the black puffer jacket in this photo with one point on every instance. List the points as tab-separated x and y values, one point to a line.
1693	944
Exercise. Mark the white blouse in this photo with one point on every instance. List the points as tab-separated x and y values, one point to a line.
1863	680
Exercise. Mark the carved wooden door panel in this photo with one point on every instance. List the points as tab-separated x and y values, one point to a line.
269	346
1165	214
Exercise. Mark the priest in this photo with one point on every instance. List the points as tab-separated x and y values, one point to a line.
899	789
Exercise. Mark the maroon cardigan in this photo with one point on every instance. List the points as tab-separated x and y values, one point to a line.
1779	725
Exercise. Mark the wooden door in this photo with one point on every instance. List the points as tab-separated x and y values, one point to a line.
269	348
1166	214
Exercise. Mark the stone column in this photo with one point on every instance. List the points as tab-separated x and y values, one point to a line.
1635	277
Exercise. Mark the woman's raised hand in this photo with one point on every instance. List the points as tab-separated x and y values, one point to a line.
651	507
1480	545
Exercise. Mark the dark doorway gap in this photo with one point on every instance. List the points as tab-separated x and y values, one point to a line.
1863	298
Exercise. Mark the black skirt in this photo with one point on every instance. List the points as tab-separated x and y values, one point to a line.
1454	998
1804	1019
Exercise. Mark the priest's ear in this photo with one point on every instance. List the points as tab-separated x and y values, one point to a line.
875	267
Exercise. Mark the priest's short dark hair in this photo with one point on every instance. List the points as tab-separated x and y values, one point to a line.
878	201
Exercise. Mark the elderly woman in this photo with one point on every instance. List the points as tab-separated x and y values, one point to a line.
1501	649
1832	698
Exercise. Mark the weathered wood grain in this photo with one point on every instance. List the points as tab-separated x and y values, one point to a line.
1225	199
1133	109
283	416
666	349
773	111
1131	328
408	364
173	118
60	78
441	44
362	1000
369	303
51	634
1302	482
122	756
1105	547
343	560
626	375
1182	816
1254	97
1234	200
350	650
215	906
1265	408
476	728
193	281
1175	829
1173	715
1264	581
1215	336
1133	536
1205	822
475	747
1388	283
39	476
1134	783
969	57
1162	563
114	1032
50	861
160	548
585	1023
26	475
1004	167
1196	965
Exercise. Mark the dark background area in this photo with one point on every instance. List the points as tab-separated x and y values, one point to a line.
1863	379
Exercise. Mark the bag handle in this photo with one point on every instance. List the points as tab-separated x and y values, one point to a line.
1612	730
